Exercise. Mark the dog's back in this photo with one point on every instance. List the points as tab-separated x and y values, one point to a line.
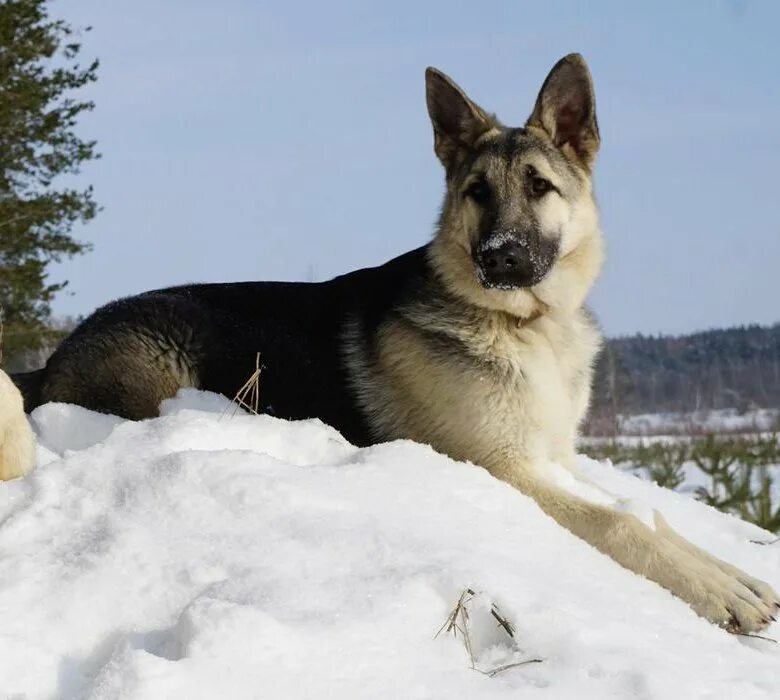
133	353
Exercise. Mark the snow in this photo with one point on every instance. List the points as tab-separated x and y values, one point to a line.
726	420
209	554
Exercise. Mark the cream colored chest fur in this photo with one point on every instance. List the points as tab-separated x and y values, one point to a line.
494	391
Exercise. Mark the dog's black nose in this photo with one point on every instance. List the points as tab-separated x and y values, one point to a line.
505	266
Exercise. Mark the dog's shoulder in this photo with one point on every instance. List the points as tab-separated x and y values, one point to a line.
368	297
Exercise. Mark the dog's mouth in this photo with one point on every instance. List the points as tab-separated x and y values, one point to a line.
508	261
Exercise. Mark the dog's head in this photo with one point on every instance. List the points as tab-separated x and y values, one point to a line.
519	227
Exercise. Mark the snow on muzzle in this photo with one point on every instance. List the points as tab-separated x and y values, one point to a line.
510	259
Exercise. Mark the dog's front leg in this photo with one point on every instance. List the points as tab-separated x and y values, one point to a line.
714	589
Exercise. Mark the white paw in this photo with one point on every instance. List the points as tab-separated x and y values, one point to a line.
715	589
738	604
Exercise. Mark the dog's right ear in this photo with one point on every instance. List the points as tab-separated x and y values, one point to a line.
457	121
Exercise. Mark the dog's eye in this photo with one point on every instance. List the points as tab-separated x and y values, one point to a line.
479	191
539	186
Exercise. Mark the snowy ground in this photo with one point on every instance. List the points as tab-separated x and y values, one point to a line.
207	556
727	420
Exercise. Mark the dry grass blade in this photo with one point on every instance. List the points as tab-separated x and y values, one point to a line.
502	621
248	396
460	613
506	667
754	636
457	622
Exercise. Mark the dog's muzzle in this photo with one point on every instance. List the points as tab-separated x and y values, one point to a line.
511	261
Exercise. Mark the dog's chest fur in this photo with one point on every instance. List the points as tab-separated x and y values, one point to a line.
478	385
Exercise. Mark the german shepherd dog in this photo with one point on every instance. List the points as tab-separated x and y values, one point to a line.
476	343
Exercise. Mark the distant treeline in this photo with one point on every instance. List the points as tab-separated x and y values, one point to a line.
733	368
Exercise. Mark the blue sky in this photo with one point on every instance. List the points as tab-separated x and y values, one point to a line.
250	140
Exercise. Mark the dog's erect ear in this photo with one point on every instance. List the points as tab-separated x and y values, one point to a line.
457	121
566	108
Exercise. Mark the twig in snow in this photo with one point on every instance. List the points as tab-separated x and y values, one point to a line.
506	667
248	396
755	636
764	542
502	621
457	622
451	623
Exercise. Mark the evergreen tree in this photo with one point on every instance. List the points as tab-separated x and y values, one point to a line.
39	71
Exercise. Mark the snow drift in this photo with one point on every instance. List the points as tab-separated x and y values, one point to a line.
209	555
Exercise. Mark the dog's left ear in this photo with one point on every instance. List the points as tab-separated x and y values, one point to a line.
566	108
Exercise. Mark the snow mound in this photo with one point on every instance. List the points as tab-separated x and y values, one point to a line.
204	554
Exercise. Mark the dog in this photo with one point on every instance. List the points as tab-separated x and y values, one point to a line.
477	343
17	445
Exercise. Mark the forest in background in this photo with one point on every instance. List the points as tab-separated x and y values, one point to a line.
735	368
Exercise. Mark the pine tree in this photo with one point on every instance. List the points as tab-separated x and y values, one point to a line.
39	71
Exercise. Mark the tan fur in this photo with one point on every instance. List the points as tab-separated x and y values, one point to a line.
17	447
502	377
131	359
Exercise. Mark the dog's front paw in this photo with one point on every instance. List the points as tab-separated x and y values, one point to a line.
730	602
717	590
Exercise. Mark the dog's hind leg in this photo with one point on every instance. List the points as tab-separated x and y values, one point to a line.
129	356
124	373
17	446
